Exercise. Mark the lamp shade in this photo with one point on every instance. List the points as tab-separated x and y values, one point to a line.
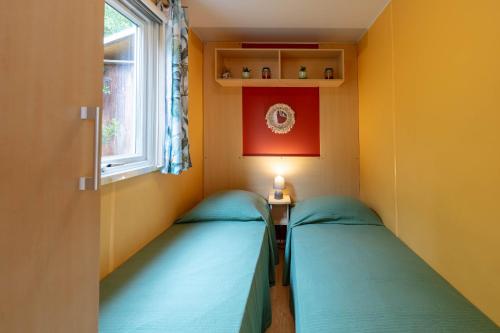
279	183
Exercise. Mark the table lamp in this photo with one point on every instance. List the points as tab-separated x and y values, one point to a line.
278	186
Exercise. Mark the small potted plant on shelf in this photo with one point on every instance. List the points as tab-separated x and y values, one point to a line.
245	74
328	73
303	72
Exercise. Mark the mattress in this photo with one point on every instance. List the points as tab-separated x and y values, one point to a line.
195	277
361	278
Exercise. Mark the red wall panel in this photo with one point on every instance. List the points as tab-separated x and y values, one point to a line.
259	140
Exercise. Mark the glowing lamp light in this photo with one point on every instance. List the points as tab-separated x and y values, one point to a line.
278	186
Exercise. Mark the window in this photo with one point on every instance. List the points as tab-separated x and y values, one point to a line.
133	33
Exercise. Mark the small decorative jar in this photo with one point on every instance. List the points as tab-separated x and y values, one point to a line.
303	72
245	74
266	72
328	73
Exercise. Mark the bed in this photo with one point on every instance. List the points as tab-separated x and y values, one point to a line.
348	273
209	272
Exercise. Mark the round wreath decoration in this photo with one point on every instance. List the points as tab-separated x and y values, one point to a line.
276	112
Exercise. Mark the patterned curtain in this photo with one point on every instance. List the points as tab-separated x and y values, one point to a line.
176	146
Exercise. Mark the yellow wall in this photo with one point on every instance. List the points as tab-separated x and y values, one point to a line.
436	88
376	130
135	211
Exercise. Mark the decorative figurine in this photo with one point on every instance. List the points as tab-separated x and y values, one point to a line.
266	72
226	74
303	72
328	73
245	74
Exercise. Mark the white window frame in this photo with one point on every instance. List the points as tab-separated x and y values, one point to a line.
150	120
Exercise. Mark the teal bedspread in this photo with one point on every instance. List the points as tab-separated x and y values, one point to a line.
210	272
236	205
361	278
195	277
348	273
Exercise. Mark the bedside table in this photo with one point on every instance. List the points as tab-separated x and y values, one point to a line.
284	203
280	211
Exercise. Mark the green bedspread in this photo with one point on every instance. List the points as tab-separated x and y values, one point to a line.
195	277
235	205
360	278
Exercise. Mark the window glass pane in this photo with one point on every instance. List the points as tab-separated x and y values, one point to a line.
119	128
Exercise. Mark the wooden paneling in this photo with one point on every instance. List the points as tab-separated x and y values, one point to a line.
50	65
335	172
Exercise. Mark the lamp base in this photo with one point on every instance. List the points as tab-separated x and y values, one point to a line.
278	194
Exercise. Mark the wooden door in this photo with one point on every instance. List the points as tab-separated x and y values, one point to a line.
50	65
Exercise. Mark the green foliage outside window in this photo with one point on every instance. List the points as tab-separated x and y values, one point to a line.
114	21
110	130
106	86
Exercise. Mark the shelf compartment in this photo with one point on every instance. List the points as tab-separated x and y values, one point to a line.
284	65
314	60
311	83
279	83
255	59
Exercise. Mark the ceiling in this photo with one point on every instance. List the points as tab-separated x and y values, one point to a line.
282	20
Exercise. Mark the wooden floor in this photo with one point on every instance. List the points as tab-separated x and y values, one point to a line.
280	296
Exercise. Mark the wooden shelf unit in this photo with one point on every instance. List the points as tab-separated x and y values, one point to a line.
284	65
